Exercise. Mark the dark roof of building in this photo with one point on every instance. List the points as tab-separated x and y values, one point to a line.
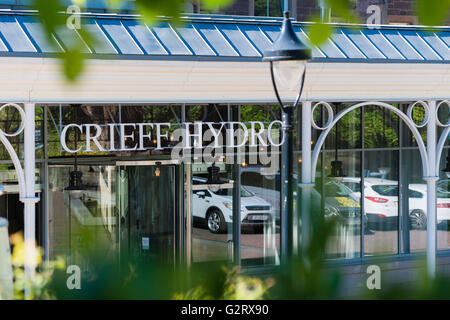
220	37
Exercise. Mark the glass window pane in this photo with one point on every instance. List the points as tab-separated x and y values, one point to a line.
381	196
342	203
380	128
260	214
12	209
211	201
260	209
84	220
443	206
415	208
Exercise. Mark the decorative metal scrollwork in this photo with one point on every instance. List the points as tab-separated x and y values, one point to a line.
425	108
438	122
406	117
12	153
22	120
330	115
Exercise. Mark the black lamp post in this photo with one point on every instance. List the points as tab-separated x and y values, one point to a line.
287	56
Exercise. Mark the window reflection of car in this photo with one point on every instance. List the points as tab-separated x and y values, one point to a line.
338	199
215	207
381	201
339	202
380	198
443	200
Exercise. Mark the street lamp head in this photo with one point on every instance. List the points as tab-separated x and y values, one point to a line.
287	56
287	46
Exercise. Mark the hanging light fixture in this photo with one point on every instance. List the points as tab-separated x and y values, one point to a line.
213	174
336	169
336	166
157	170
213	180
75	176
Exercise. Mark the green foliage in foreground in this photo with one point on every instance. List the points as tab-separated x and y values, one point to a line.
306	277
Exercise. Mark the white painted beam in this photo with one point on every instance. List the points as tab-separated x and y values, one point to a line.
40	80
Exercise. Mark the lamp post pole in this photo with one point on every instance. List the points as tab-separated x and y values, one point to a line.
288	57
306	182
288	221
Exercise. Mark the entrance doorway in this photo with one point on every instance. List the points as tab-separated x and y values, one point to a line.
147	206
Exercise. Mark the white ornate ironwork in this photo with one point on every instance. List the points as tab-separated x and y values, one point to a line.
444	135
25	179
430	154
329	118
407	118
9	148
425	107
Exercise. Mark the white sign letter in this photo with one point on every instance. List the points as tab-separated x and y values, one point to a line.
98	131
159	135
142	134
63	137
123	136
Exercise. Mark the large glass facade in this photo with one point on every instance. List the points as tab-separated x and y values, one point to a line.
381	170
222	204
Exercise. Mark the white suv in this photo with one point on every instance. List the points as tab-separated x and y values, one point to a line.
381	201
216	208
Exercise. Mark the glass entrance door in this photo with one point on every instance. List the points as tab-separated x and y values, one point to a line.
147	208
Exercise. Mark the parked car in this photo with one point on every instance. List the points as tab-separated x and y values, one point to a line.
380	198
215	207
381	201
443	202
338	200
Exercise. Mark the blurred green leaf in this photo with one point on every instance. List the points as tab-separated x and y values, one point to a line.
216	4
433	12
73	64
319	33
48	14
52	18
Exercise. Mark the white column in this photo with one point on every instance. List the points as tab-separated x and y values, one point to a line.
431	191
306	181
30	199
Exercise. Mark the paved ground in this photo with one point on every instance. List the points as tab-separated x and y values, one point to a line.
209	246
344	243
